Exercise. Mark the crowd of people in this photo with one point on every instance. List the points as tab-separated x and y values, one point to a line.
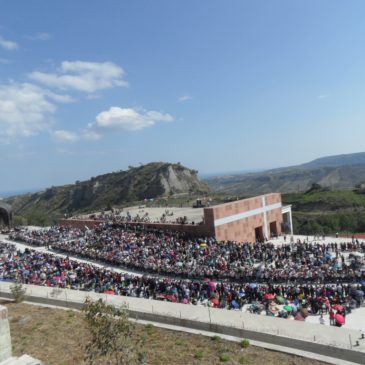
164	253
119	216
294	301
289	281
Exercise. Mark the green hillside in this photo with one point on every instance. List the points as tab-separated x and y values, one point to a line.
327	211
114	189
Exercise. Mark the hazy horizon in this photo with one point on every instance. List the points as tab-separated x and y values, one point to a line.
202	175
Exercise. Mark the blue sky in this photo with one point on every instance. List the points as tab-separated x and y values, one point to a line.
88	87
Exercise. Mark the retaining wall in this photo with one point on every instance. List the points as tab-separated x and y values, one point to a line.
324	340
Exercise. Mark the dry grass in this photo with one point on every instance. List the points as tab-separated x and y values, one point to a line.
58	336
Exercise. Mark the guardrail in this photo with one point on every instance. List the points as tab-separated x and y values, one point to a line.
323	340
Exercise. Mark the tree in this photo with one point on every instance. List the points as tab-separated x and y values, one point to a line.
18	292
113	338
314	187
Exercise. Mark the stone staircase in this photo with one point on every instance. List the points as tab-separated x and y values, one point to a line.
22	360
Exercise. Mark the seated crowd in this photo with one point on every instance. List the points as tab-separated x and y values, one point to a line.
119	216
158	252
284	300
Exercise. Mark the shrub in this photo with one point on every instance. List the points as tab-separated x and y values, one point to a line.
245	343
199	355
243	360
150	328
18	292
142	357
179	342
216	338
113	338
224	357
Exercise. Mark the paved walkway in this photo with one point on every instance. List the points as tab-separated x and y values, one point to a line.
311	239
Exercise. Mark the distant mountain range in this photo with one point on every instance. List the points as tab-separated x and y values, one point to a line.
6	194
338	172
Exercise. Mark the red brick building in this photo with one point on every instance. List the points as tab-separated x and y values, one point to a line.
246	220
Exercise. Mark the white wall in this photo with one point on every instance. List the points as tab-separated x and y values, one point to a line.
5	341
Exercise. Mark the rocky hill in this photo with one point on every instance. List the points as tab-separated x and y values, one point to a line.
114	189
337	172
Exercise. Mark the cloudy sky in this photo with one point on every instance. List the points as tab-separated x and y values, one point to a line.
88	87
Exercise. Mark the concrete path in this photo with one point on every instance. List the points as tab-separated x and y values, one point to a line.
311	239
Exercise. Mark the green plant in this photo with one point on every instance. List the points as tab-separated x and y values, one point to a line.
224	357
142	357
243	360
179	342
113	337
199	354
71	313
18	292
216	338
245	343
150	328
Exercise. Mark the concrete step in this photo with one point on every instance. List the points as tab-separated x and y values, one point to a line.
22	360
8	361
28	360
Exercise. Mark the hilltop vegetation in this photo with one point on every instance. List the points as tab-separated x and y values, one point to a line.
114	189
324	211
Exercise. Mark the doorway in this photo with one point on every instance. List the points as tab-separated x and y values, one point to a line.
259	235
273	229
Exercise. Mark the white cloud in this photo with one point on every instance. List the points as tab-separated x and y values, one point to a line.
40	37
59	98
68	136
9	45
23	110
185	97
65	136
83	76
26	109
90	135
323	96
128	119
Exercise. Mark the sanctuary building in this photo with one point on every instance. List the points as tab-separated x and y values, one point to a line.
248	220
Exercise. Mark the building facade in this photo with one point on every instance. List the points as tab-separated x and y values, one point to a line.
248	220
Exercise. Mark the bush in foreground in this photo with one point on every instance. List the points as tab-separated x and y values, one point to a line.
224	357
113	337
245	343
216	338
18	292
